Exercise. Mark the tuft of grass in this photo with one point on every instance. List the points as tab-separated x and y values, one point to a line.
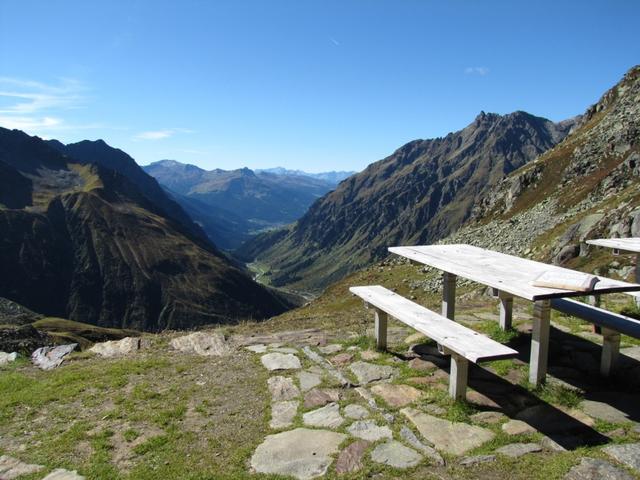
496	333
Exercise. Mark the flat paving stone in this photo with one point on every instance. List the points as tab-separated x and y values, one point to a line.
327	416
397	396
550	419
369	355
596	469
451	437
422	365
350	459
301	453
285	350
321	396
490	418
11	468
604	411
516	450
517	427
331	348
369	430
282	388
282	414
341	359
369	372
477	459
260	348
355	412
62	474
280	361
628	454
308	380
396	455
408	436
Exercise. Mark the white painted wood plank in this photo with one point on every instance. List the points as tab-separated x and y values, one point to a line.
381	329
539	342
457	338
627	244
458	377
506	273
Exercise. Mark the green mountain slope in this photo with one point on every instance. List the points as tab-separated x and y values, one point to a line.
83	242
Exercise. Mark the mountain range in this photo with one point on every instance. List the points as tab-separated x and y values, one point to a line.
231	206
422	192
87	235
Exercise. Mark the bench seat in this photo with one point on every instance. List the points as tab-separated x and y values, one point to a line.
462	343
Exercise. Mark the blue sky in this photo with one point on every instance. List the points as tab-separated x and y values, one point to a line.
322	85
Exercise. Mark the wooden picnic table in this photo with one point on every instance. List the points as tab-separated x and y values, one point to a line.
510	277
622	245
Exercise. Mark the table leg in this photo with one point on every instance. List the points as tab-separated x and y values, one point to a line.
610	350
448	295
381	329
637	296
539	342
506	310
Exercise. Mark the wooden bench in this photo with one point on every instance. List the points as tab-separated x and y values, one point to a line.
463	344
611	324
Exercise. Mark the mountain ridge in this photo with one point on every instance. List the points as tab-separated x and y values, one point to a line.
423	191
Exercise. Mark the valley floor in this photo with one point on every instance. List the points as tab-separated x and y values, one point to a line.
166	414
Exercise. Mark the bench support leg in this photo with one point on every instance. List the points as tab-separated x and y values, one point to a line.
458	377
610	350
638	278
448	295
539	342
506	310
381	329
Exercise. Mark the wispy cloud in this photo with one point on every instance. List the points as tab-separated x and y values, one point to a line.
39	107
482	71
160	134
334	41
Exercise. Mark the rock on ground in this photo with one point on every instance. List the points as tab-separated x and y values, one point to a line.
62	474
301	453
596	469
369	372
321	396
369	430
117	347
628	454
202	343
11	468
450	437
327	416
259	348
309	380
48	358
282	414
397	395
350	459
488	417
515	450
331	348
282	388
517	427
604	411
408	436
280	361
396	455
477	459
356	412
6	358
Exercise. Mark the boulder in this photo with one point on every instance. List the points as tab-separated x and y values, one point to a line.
116	348
62	474
6	358
280	361
202	343
47	358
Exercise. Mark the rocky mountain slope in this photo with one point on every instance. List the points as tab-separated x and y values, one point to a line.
422	192
81	241
238	203
588	186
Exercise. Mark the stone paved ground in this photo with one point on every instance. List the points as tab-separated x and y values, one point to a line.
393	411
